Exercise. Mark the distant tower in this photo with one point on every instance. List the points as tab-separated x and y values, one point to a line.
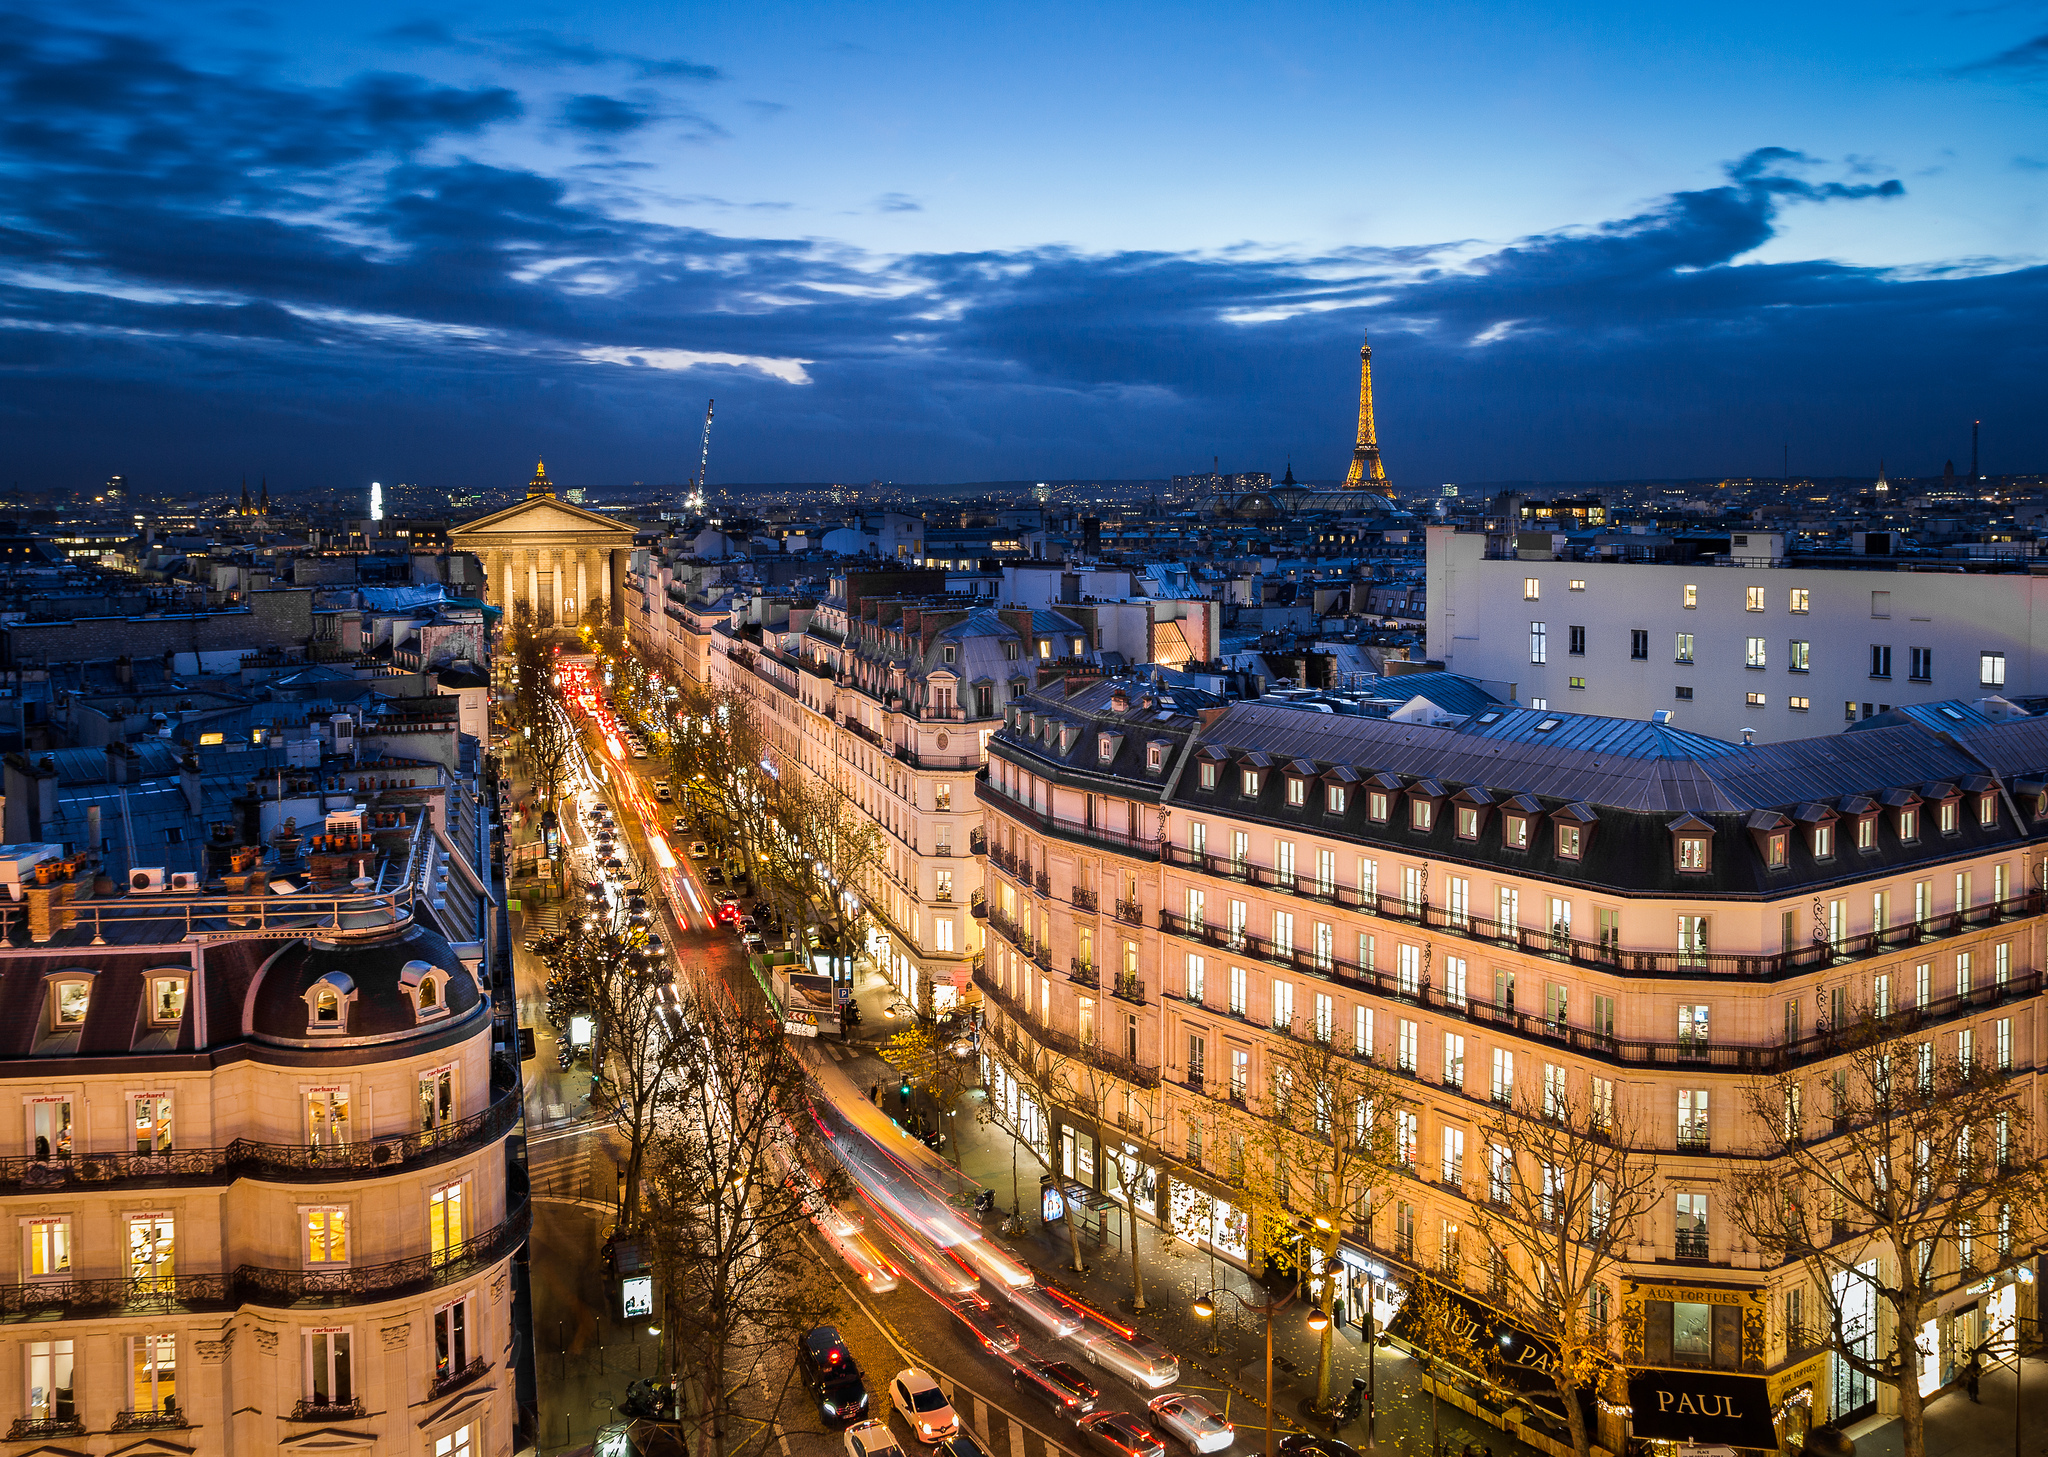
1884	487
1973	450
540	485
1365	456
245	509
1289	479
263	504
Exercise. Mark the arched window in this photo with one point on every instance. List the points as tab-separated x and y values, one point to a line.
327	1005
428	993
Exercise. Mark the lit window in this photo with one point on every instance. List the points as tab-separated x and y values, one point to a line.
1692	852
1514	832
52	1382
1756	700
208	740
1376	807
1802	655
1987	811
166	1000
1334	799
451	1354
1468	823
1208	776
1823	842
1568	841
1756	654
326	1236
1297	791
1575	682
1539	643
1532	588
445	1228
1682	649
1909	824
1948	817
327	1117
1755	602
49	1247
69	1001
1801	599
1421	814
1250	783
1578	584
153	1373
330	1381
1798	705
1991	669
1774	851
1692	596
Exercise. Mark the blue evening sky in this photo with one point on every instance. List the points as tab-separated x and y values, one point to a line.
933	242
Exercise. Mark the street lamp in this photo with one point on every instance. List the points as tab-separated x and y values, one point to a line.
1205	1307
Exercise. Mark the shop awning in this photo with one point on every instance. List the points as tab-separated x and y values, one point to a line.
1702	1407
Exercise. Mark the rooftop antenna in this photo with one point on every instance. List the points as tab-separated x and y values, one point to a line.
1973	449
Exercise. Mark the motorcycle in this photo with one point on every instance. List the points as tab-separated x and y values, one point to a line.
985	1202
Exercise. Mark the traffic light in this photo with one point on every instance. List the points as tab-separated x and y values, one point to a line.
903	1092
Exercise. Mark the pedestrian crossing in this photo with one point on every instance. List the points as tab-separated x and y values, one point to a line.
996	1431
573	1169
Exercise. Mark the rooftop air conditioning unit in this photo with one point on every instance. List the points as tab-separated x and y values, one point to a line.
146	882
185	882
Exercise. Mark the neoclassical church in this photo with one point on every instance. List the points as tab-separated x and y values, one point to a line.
554	556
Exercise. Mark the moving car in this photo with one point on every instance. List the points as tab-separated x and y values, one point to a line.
1067	1389
1308	1444
1138	1359
1044	1313
698	849
832	1376
959	1445
923	1405
1119	1434
871	1439
681	826
661	793
1192	1422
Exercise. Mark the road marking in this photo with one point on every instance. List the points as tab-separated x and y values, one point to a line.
1016	1438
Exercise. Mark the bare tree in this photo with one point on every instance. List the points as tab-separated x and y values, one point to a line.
1327	1116
1917	1171
642	1054
733	1180
826	853
1442	1330
1039	1080
1113	1093
1562	1195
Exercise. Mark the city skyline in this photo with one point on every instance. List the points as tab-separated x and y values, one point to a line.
419	246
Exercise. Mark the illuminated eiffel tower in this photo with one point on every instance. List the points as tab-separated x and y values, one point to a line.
1365	456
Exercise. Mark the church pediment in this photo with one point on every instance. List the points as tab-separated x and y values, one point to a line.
539	517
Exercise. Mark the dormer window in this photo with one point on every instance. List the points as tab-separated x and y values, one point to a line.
1866	832
327	1002
1376	806
1949	818
1248	783
1570	840
1823	842
1776	850
1105	747
1334	799
1421	814
1467	822
1987	811
166	1000
948	653
1208	776
1155	756
1692	852
427	985
70	999
1297	792
1909	825
1514	831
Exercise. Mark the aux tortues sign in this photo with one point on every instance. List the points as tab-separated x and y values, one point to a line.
1701	1406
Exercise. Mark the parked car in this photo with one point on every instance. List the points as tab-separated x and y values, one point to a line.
913	1393
1192	1422
681	826
698	849
713	875
959	1445
1119	1434
832	1376
1307	1444
1067	1389
871	1439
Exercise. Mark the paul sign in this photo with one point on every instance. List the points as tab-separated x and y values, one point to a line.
1718	1407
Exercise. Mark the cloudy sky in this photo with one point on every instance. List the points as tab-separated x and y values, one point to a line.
328	243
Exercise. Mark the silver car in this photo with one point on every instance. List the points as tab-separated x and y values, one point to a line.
1192	1422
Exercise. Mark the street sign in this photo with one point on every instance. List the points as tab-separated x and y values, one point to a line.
1688	1449
801	1024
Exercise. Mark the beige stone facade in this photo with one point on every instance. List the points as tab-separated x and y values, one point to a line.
551	556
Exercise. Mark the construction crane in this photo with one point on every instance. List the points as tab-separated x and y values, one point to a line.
704	460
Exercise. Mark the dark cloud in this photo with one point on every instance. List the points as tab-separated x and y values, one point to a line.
197	265
605	116
898	202
546	48
2029	58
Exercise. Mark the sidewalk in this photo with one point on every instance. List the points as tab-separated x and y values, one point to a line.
1959	1427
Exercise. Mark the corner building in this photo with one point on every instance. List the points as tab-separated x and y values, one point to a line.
257	1175
1645	917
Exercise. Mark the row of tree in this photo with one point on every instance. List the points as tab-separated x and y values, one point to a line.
1920	1171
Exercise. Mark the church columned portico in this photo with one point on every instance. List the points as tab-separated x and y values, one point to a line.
555	557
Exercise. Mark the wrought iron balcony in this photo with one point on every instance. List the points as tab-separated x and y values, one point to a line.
146	1419
1082	971
1691	1244
1130	911
327	1411
1129	986
28	1428
1084	900
460	1376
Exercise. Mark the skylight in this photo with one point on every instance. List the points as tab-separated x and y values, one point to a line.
1489	718
1548	724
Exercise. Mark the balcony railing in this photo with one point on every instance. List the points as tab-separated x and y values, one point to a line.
30	1428
1084	900
1044	883
1082	971
1768	1058
327	1411
1130	911
1695	1140
1691	1244
1139	1074
460	1376
147	1419
1557	942
283	1162
1130	987
1017	809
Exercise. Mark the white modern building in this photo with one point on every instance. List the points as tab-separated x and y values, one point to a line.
1751	640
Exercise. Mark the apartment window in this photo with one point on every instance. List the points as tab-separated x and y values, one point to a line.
1575	683
151	1115
327	1122
1283	1005
1532	588
1753	599
1556	1004
1694	1135
1801	656
1682	648
1576	641
1692	1030
1800	599
1325	1017
1237	991
152	1249
1774	850
1248	783
1578	584
1602	1108
1987	813
49	1123
1690	598
1503	1075
1639	642
1692	852
153	1373
1603	1017
1569	840
329	1367
1514	832
1683	693
1922	664
1454	1156
451	1338
1421	814
1326	872
1467	822
942	928
1500	1173
1404	1046
1880	661
1798	704
1539	651
166	1000
437	1098
1454	981
52	1390
69	1000
1909	825
1693	1336
1283	933
326	1236
1948	818
1692	941
48	1238
1756	700
1361	1031
1454	1060
2001	1044
1376	807
1408	971
1990	669
942	797
1334	799
1406	1129
1756	653
1297	792
1208	776
446	1229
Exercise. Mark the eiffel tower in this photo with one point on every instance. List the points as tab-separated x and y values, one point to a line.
1365	456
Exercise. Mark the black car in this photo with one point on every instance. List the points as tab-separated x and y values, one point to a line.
713	875
958	1445
832	1376
1056	1381
1307	1444
1119	1434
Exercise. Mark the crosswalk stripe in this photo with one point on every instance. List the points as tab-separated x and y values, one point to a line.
1016	1438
